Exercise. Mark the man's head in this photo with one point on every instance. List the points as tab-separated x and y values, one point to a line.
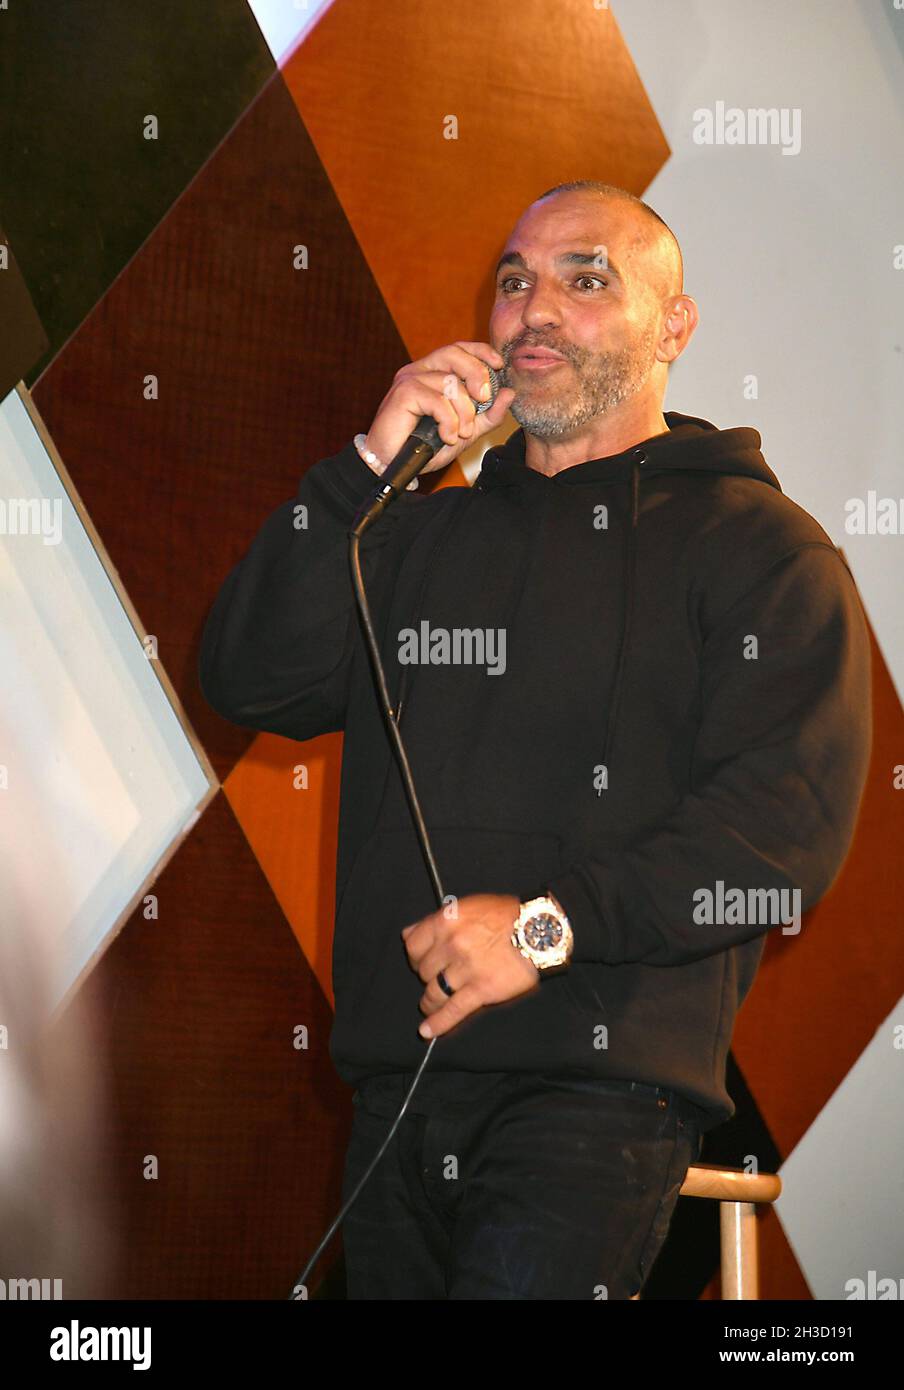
592	273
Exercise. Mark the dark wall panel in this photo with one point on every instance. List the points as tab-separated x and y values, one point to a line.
80	187
199	1009
261	370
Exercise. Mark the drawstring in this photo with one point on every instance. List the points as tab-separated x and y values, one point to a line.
630	567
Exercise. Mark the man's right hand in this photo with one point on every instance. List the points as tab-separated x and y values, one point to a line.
440	385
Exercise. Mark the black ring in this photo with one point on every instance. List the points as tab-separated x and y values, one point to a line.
443	984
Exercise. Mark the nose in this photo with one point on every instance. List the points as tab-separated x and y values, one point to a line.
539	308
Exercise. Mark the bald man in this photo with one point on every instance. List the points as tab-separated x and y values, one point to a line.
632	679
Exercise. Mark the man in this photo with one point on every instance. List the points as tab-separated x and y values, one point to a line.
632	679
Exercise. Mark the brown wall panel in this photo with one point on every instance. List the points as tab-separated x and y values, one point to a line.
819	996
199	1013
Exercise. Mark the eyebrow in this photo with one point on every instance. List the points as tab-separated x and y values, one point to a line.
515	258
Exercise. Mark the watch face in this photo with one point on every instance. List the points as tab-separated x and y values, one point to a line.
542	932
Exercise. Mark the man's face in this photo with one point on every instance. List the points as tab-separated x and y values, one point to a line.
603	322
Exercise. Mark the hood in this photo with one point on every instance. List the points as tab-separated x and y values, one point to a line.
691	445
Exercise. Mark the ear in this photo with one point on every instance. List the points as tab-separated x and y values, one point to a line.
680	322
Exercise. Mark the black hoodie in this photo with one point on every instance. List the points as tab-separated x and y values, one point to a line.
669	711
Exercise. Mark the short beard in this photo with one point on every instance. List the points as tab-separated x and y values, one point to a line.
604	380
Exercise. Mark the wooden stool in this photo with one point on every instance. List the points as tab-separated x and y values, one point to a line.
739	1194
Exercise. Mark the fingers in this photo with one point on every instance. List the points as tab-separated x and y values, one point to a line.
458	395
463	1002
469	362
485	351
442	395
472	425
439	395
444	385
434	996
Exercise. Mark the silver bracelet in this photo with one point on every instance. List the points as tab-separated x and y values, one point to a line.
368	455
373	462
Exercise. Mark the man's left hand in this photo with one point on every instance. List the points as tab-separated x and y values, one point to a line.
470	940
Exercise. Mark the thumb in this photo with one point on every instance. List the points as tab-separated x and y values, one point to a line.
504	398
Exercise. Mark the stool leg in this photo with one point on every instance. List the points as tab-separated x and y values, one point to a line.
737	1223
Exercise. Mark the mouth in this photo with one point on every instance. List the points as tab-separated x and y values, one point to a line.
536	359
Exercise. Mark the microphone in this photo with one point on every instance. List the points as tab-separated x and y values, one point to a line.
419	448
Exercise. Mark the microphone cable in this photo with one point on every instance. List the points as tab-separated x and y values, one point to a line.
423	443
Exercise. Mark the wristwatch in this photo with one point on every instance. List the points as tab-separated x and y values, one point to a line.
543	934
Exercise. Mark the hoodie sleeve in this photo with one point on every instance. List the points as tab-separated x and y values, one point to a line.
778	769
276	647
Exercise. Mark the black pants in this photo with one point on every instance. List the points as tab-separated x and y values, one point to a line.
543	1189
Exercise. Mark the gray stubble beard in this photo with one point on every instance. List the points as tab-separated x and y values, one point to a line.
603	381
